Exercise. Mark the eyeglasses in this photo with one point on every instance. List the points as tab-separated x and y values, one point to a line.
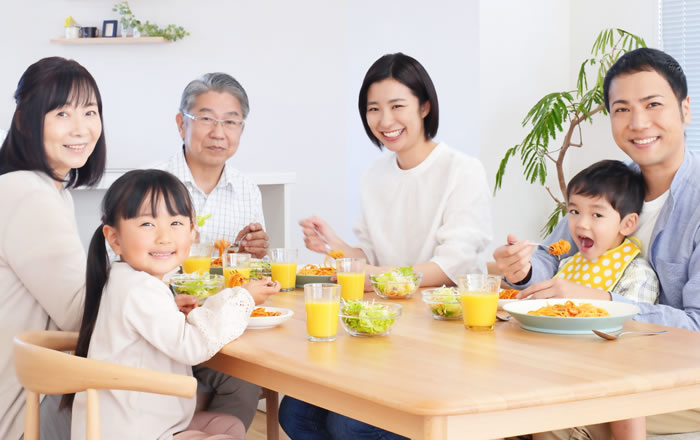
209	122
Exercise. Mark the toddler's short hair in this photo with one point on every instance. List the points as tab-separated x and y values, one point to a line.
622	186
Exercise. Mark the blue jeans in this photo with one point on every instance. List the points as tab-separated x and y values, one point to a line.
303	421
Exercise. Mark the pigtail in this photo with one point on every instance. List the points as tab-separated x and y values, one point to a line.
96	278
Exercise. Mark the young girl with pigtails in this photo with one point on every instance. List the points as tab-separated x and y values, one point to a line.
131	318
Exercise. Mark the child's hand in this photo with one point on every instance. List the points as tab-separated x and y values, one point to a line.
561	288
513	259
261	289
186	303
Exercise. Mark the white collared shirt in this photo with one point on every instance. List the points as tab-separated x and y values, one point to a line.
234	202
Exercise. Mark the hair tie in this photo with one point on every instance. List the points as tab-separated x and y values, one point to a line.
102	219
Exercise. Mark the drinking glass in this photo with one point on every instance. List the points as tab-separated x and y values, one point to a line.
479	297
283	265
351	276
200	258
236	263
322	301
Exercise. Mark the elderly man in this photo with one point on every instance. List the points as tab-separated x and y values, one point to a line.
211	119
212	115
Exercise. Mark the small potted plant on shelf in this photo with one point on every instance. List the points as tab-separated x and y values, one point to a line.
127	19
147	29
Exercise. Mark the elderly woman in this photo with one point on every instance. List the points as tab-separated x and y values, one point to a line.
55	142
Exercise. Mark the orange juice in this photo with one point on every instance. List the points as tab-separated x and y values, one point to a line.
353	285
228	271
479	309
196	264
285	273
322	319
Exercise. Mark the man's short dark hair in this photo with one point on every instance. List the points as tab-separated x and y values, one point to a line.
622	186
409	72
647	60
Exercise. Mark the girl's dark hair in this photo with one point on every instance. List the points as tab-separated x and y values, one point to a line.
409	72
125	199
46	85
620	185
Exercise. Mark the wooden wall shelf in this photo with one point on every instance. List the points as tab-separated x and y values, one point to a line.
110	40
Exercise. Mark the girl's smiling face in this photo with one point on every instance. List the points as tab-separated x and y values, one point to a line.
395	116
152	242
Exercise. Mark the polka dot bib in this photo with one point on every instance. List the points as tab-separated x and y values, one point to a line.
603	272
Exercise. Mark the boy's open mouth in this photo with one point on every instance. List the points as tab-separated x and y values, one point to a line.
586	243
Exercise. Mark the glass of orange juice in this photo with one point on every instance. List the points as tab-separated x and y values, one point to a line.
479	296
322	303
351	276
283	265
200	258
236	263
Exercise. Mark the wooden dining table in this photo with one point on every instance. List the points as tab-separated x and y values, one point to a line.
433	379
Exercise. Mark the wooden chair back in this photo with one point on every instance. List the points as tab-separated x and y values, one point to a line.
42	367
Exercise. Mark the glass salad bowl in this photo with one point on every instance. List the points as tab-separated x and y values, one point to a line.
364	318
443	302
200	285
397	283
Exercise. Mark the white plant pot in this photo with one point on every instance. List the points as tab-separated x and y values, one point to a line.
136	33
72	32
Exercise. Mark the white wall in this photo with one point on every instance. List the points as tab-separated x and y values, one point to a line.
301	63
524	54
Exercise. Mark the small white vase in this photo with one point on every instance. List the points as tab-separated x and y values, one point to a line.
135	33
124	30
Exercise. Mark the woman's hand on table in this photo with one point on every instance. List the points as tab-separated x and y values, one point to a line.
513	259
561	288
186	303
261	289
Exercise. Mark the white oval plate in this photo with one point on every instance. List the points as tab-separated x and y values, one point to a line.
619	313
262	322
503	302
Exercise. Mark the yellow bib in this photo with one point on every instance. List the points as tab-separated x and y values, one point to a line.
605	271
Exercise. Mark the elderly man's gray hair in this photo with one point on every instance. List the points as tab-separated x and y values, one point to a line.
216	82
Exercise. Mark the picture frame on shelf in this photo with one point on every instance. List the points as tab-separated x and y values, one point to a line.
109	28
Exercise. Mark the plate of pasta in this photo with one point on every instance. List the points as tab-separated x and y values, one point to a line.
566	316
506	296
268	317
312	273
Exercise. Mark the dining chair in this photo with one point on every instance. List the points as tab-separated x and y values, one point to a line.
42	367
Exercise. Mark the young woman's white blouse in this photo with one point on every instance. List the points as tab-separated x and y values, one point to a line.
139	325
438	211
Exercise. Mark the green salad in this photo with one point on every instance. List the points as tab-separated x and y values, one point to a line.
397	283
201	286
368	318
444	302
259	269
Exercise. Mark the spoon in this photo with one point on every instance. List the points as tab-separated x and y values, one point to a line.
503	316
611	337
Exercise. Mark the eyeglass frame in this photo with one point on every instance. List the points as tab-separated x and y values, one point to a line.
237	123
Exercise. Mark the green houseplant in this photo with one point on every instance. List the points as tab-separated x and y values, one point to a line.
564	112
128	21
